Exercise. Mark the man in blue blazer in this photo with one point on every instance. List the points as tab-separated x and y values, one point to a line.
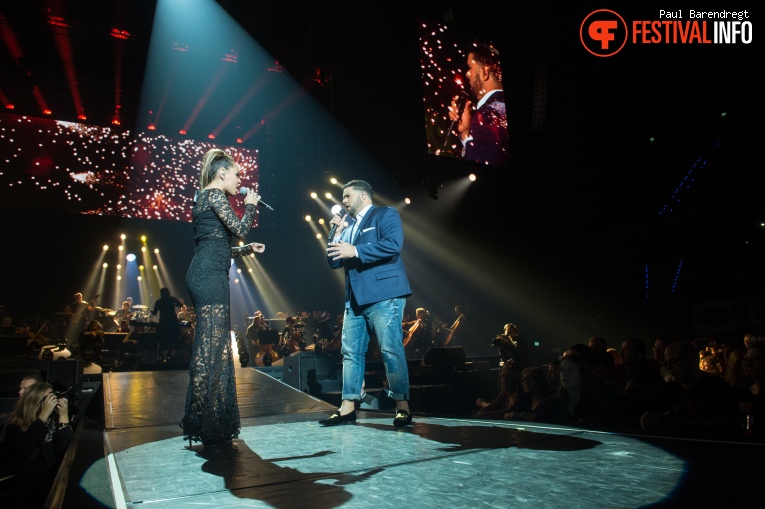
376	287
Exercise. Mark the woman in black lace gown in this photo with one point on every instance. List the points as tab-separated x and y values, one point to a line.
212	413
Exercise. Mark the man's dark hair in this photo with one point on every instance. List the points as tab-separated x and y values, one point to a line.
487	56
361	185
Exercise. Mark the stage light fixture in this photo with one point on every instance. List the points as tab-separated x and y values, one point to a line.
119	278
472	177
154	267
182	131
321	220
333	181
211	136
143	249
314	195
152	127
143	238
47	112
9	106
308	219
238	271
106	248
329	196
130	257
105	265
121	248
139	278
319	236
156	250
119	266
407	201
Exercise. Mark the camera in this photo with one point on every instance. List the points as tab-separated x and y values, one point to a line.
500	340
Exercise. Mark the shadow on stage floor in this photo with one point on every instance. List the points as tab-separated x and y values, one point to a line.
285	459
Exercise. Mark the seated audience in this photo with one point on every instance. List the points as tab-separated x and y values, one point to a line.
643	383
37	434
694	403
750	399
582	393
510	398
542	403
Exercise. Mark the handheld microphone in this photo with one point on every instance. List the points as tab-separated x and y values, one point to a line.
337	210
243	191
461	102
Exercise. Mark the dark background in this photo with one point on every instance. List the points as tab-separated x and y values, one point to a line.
564	235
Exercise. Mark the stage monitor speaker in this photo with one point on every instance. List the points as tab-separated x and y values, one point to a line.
114	340
63	375
304	367
445	359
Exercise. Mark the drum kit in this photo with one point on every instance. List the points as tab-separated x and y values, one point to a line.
142	314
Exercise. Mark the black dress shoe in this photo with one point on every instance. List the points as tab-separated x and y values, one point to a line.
336	419
403	418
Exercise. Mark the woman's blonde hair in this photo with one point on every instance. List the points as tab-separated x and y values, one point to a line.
28	407
215	159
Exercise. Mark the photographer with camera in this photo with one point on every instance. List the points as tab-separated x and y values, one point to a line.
35	439
512	348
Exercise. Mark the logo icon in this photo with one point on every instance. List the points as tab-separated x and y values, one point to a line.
603	33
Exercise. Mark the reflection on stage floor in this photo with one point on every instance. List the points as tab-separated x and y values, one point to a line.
285	459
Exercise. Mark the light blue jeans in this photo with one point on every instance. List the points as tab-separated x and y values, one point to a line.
384	320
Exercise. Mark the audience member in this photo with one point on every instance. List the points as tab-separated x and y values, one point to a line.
542	403
751	400
583	397
37	434
694	403
658	358
643	383
27	382
510	398
553	373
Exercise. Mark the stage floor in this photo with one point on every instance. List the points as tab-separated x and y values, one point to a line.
285	459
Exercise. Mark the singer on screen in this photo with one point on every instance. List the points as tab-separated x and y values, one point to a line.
482	127
212	412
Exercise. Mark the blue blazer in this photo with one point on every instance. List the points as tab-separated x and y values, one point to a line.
378	273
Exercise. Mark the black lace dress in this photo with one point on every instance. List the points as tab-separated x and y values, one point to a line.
212	412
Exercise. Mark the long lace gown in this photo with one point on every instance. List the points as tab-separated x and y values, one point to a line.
212	412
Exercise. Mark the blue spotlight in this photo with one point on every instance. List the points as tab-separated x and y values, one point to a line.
131	257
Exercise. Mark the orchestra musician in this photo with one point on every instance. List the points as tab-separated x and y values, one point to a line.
419	334
293	337
454	332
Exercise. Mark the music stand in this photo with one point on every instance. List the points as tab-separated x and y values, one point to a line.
268	337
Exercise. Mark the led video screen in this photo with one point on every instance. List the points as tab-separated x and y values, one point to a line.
465	111
76	168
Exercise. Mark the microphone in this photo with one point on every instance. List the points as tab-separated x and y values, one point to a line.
338	210
461	101
243	191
